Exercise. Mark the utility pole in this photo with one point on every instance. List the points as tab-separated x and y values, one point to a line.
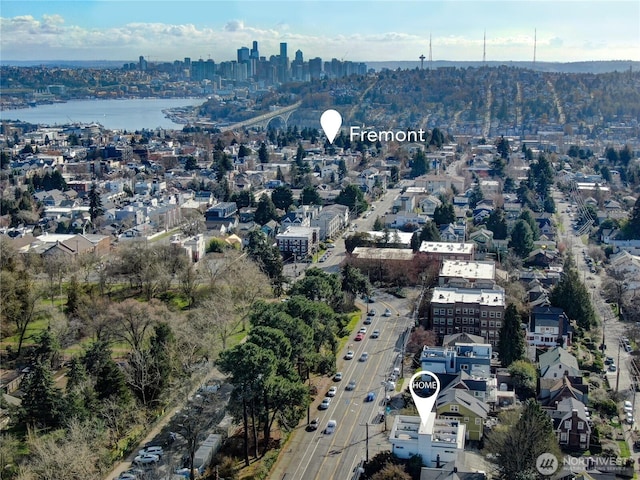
618	369
367	442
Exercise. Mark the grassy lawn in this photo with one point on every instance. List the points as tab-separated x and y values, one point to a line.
353	321
624	449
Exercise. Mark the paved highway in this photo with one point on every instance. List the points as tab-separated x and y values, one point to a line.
316	454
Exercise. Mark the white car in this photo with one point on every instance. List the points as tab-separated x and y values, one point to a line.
146	459
363	330
628	407
387	313
349	355
331	427
326	401
332	392
151	451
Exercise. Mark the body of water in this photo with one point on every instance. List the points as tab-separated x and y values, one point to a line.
124	114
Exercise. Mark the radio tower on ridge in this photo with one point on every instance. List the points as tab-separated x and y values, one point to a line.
484	49
430	53
535	41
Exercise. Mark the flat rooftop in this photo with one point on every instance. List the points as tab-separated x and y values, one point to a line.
372	253
447	247
468	269
480	296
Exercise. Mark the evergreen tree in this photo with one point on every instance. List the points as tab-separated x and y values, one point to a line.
378	224
497	223
444	214
521	239
429	233
310	196
632	228
279	174
476	196
265	211
111	382
511	344
282	197
41	401
572	296
527	216
352	197
419	164
95	204
263	154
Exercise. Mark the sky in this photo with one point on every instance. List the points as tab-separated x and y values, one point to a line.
374	30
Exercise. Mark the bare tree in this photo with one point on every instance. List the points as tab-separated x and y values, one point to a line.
133	320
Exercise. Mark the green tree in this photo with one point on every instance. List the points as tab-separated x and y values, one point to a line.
527	216
632	228
353	282
265	211
41	401
319	286
342	168
282	197
310	196
378	224
497	223
521	436
524	376
511	344
502	145
352	197
391	472
243	151
263	154
444	214
476	196
267	257
521	239
191	163
419	164
95	204
19	302
572	296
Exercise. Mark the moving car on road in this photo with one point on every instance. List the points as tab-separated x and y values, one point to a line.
331	427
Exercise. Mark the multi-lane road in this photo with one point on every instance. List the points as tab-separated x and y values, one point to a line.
316	454
359	432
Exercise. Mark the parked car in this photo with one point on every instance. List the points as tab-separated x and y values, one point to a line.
349	355
367	321
313	424
371	312
332	392
351	385
152	450
613	368
331	427
326	401
608	361
363	330
359	337
146	459
629	418
628	407
337	377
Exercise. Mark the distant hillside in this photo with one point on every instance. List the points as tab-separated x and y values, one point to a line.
572	67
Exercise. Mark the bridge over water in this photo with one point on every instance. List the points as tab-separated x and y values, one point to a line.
263	120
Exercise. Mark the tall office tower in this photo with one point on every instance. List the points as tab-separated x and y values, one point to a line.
299	58
187	62
243	55
283	64
254	50
283	53
142	64
315	68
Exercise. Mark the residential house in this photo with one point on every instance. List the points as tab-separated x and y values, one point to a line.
453	232
573	431
542	257
548	327
628	266
471	358
429	204
482	239
484	388
435	184
457	405
221	214
557	363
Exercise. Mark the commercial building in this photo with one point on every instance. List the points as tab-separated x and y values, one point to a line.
298	241
466	274
447	251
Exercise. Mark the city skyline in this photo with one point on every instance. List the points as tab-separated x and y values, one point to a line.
568	31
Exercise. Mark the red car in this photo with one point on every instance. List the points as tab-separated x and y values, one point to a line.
359	337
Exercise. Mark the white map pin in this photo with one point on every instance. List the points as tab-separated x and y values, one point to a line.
331	121
424	387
